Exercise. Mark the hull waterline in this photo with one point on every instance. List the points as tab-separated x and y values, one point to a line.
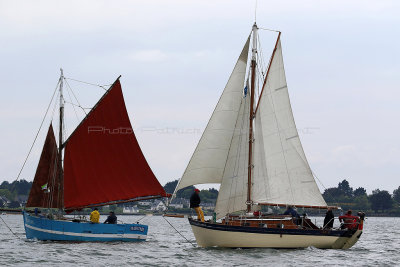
42	228
219	235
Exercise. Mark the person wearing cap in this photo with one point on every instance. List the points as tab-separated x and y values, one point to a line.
95	216
195	204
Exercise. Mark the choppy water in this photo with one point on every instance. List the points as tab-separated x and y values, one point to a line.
379	245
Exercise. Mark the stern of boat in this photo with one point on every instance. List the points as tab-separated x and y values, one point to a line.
349	242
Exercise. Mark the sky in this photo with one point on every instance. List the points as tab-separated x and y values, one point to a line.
175	57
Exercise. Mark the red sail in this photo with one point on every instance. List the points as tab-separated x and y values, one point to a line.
103	162
46	191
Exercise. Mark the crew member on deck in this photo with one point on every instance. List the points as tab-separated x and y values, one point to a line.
329	219
95	216
111	219
293	212
349	221
195	204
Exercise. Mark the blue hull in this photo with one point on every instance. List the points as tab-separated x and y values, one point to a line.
42	228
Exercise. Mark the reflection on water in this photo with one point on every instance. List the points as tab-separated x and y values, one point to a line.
379	245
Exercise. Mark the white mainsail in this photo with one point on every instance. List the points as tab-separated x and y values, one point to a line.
209	159
282	174
232	195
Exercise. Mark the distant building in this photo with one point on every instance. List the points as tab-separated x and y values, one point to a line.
145	203
178	203
208	206
158	206
130	209
22	199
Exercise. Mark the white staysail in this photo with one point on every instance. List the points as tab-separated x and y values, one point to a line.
281	171
209	159
232	195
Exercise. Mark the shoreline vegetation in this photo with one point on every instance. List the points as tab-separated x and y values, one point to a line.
380	203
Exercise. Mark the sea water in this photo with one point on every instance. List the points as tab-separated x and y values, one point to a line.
379	245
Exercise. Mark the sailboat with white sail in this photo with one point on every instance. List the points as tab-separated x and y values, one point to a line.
99	164
251	147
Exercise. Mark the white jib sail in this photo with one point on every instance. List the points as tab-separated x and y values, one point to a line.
282	174
232	194
208	161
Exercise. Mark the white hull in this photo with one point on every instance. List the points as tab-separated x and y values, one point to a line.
206	237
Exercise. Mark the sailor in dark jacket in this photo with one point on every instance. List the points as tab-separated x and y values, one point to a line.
291	211
329	218
195	204
111	219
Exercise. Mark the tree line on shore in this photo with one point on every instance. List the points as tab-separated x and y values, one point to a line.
379	202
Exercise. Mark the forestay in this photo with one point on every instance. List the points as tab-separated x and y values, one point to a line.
282	174
209	159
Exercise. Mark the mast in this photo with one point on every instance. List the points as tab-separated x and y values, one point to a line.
253	79
60	142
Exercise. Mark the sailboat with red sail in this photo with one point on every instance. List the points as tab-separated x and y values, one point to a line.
99	164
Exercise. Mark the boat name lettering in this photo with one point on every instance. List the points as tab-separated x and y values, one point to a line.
137	228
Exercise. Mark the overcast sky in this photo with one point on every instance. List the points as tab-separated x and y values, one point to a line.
341	60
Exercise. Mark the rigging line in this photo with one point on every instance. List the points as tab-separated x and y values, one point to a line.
79	104
266	29
1	217
73	106
37	134
261	53
141	218
54	108
98	85
187	240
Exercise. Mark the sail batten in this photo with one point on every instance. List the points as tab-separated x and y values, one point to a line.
103	162
210	156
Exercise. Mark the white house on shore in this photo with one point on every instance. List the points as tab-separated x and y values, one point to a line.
158	206
179	203
130	209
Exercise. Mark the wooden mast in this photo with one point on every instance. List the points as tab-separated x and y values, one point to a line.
253	79
60	142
